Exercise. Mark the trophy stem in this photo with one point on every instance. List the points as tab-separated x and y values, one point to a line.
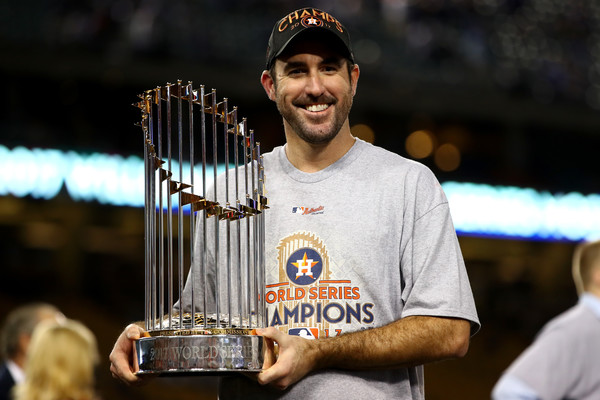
180	238
204	261
215	199
192	225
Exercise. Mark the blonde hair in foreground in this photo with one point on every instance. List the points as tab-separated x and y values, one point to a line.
60	363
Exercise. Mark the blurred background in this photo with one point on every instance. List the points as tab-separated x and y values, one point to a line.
488	93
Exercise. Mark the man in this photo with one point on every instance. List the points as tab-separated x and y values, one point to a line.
564	360
374	265
14	341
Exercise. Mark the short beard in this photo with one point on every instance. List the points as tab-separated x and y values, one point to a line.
309	135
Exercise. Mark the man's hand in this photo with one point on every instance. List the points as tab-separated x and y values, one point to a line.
123	363
297	357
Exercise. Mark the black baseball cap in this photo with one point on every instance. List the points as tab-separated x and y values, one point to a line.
303	20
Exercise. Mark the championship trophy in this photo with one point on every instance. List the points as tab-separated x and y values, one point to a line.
189	138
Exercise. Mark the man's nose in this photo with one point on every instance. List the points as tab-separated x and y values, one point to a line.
314	85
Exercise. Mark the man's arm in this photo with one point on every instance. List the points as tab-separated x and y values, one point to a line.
407	342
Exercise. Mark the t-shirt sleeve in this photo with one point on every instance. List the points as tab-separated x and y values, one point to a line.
512	388
432	267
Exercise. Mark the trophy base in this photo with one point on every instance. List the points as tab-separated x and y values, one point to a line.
199	354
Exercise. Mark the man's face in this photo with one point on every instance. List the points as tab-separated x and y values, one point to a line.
313	90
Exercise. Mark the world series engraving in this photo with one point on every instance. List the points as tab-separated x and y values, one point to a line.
200	352
199	356
204	180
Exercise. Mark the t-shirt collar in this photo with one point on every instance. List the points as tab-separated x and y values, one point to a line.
325	173
592	302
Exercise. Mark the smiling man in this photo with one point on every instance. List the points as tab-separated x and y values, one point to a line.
367	283
312	78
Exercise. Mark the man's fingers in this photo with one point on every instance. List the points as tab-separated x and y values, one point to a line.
270	376
273	372
270	356
271	333
123	373
121	368
123	364
134	332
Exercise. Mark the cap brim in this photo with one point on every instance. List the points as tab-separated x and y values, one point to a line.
342	45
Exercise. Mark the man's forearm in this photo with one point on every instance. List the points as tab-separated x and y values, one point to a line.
407	342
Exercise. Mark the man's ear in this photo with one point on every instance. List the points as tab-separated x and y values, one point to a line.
268	84
354	74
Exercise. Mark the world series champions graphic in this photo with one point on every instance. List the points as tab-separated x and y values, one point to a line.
307	300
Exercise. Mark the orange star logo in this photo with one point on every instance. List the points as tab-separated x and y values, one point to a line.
305	266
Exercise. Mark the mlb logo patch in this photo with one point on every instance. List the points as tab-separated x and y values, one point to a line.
306	333
297	210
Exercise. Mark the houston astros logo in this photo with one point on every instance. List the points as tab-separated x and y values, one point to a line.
311	22
304	266
302	259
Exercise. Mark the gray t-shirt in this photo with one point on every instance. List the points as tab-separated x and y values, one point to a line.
357	245
564	360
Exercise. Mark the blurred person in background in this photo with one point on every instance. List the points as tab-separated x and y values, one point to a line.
14	341
564	360
60	363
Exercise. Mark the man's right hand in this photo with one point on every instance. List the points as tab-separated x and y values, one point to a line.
123	363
